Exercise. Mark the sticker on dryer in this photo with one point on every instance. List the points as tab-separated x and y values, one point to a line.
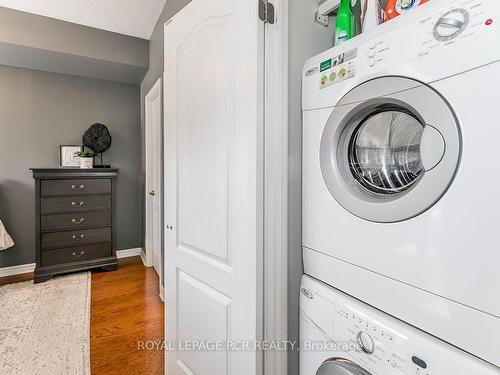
337	74
325	65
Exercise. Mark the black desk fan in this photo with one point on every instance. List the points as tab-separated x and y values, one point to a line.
98	139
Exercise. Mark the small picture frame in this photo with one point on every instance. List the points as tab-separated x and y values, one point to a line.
67	156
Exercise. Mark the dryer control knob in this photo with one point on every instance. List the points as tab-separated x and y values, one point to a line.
366	342
451	24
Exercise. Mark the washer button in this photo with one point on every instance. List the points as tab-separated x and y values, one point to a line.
371	54
419	362
371	62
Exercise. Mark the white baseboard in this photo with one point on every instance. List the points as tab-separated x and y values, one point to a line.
129	253
143	258
162	293
28	268
17	270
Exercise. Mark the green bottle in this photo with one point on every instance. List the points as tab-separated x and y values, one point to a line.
346	24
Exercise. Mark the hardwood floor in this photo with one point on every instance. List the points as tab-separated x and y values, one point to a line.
126	309
16	279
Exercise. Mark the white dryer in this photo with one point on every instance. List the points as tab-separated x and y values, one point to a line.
342	336
401	179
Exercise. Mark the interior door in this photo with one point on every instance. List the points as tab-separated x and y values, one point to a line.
214	185
153	110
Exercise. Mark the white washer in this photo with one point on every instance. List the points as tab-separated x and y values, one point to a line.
342	336
401	174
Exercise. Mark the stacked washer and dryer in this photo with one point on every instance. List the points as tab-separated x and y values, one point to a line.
401	197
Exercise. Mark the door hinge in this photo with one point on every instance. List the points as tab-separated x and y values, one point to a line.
266	11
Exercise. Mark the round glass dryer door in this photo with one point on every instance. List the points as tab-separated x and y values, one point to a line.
384	155
338	366
388	158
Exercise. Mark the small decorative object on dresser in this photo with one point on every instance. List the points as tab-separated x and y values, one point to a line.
75	220
68	156
98	139
86	159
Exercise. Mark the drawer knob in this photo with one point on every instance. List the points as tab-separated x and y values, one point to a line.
78	238
75	188
75	221
75	204
79	254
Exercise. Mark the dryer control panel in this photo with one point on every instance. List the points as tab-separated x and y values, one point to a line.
454	29
435	41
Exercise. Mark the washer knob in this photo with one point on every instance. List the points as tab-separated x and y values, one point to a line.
366	343
451	24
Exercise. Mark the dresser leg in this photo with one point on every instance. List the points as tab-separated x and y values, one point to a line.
42	279
114	267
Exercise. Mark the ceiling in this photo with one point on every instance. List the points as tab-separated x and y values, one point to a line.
130	17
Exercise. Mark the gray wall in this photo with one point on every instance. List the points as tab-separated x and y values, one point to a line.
156	58
40	111
306	39
31	41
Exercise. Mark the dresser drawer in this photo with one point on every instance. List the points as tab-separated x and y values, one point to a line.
74	204
75	254
76	220
75	237
75	187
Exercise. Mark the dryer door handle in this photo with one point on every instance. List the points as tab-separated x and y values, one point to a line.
432	147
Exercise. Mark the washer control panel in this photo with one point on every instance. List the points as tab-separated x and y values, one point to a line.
339	326
381	349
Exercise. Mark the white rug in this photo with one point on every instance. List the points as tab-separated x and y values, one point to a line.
44	328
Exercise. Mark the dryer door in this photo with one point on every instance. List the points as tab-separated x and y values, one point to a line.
338	366
389	157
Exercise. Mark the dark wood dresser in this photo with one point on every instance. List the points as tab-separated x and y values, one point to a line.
74	220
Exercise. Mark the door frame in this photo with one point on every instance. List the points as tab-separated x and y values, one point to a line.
155	92
276	188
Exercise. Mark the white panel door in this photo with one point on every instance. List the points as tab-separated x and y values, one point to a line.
153	110
214	184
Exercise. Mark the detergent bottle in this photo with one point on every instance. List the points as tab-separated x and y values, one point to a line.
357	11
396	7
345	26
373	15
